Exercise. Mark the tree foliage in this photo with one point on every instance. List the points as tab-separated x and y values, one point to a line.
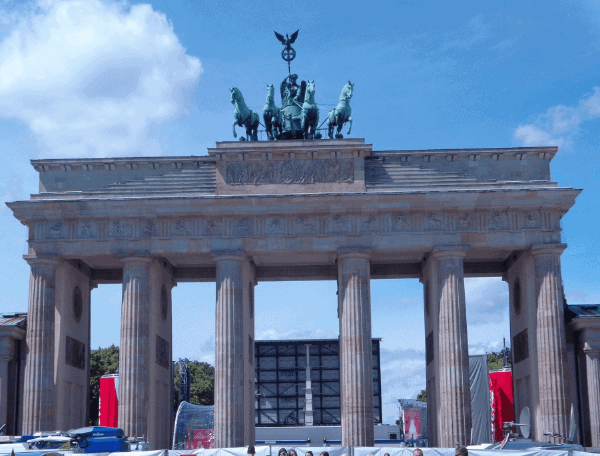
103	361
495	361
202	388
422	396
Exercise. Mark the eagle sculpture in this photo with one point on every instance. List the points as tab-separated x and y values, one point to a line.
287	40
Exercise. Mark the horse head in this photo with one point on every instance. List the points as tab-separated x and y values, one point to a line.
235	95
347	91
270	92
310	87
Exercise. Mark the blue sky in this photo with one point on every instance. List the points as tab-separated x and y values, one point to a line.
91	78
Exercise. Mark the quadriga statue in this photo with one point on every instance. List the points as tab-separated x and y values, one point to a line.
341	114
272	115
244	116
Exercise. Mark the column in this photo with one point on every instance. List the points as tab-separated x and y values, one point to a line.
356	349
134	369
229	353
592	362
454	409
6	355
551	341
39	391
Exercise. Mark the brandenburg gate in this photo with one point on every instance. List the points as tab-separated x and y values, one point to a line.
292	210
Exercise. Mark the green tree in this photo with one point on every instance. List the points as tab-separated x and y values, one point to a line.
103	361
202	388
422	396
495	361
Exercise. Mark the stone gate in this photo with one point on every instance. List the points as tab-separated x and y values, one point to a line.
292	210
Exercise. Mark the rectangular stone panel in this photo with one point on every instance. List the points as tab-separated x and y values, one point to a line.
289	172
521	346
429	347
162	352
75	353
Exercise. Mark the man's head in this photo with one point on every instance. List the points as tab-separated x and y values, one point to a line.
309	453
462	451
251	450
418	452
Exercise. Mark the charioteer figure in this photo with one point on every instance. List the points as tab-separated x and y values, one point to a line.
292	97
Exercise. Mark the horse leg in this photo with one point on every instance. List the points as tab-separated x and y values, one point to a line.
350	127
234	133
269	127
339	121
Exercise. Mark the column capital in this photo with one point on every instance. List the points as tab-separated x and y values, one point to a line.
547	249
136	259
449	251
42	260
229	255
591	347
354	252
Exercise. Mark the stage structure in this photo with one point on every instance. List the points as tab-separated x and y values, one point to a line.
294	210
283	396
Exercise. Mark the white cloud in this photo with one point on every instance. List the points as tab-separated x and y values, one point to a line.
92	79
558	125
487	301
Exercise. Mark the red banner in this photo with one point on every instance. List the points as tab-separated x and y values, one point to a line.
501	402
109	401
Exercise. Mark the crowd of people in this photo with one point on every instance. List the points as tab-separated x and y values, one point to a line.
460	451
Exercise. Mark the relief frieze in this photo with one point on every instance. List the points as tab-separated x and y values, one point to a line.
120	229
274	225
87	230
435	222
57	230
339	223
498	221
531	220
466	222
243	227
369	224
289	172
402	222
213	227
148	228
307	225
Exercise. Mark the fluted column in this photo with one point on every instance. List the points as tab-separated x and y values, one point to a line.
551	341
39	391
454	393
229	353
134	371
356	349
592	362
6	354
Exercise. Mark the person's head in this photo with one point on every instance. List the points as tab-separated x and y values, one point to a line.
324	453
293	78
462	451
251	450
387	454
418	452
309	453
282	452
292	452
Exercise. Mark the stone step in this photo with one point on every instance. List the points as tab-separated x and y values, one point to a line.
164	183
457	186
147	191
